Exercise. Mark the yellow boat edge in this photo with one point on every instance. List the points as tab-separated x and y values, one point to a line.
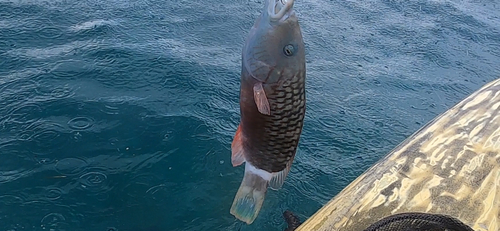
450	166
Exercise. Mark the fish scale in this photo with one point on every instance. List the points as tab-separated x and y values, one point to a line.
272	149
285	126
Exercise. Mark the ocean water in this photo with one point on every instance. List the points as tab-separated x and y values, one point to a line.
119	115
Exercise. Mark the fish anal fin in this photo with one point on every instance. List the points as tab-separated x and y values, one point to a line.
237	151
260	98
279	177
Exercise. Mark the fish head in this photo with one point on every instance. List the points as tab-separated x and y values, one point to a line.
274	48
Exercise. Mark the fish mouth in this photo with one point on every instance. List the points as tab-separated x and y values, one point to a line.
277	9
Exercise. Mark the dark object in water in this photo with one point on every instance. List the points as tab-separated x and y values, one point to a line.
292	220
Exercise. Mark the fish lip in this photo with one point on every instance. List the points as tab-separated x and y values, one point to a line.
285	8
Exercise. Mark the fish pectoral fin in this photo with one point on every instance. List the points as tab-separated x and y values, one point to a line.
260	98
279	177
237	152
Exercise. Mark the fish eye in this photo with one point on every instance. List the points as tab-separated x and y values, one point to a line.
289	50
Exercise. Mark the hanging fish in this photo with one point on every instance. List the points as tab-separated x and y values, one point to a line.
272	105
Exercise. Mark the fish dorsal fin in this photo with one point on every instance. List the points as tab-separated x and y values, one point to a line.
279	177
237	153
260	98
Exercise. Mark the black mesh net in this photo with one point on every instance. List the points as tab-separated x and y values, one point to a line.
419	222
401	222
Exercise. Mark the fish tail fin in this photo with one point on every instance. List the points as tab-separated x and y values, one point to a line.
251	194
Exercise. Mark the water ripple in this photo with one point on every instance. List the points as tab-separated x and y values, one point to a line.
139	185
159	193
62	92
70	69
4	46
494	49
115	70
104	57
95	182
24	113
53	193
70	166
18	83
110	109
327	123
14	166
38	25
44	135
8	199
96	28
92	25
49	32
81	123
54	222
13	61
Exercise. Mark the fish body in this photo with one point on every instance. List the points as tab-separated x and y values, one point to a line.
272	105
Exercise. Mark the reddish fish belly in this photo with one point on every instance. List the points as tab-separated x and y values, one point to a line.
270	141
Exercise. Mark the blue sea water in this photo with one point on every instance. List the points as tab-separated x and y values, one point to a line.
119	115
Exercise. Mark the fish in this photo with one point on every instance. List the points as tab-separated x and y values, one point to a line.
272	105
